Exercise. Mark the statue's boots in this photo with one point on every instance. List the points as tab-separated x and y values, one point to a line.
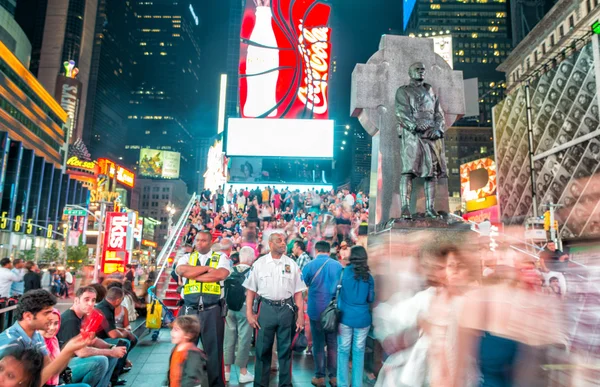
405	192
430	211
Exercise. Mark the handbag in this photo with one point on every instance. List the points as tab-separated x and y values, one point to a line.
154	315
330	317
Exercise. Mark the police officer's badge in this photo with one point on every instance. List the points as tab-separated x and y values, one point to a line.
288	269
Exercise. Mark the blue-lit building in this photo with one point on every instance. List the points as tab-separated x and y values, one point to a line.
33	188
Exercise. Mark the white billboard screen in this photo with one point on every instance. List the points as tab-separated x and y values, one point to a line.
280	138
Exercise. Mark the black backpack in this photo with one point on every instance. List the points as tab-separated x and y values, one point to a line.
235	293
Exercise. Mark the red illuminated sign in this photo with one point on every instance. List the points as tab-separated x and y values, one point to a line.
114	249
124	175
285	59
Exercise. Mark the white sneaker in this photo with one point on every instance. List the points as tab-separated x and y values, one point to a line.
246	378
227	375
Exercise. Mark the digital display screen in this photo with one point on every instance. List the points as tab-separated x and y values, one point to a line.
159	164
280	138
285	58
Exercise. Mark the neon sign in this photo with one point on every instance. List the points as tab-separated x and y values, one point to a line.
114	254
285	58
75	162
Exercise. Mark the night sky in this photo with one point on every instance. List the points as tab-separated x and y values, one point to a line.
357	28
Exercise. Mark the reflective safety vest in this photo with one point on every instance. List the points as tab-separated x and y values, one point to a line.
210	292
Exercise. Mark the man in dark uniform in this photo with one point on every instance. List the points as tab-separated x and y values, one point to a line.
203	296
421	128
276	280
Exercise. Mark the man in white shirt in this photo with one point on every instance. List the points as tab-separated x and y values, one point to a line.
7	277
204	271
276	279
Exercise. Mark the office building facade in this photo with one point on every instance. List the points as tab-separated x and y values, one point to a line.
111	80
481	41
360	151
155	196
554	71
165	96
33	190
60	31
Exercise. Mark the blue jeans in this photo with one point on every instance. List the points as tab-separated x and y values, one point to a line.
120	363
320	338
354	339
93	370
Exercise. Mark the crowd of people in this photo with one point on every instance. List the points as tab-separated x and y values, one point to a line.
287	272
271	262
85	346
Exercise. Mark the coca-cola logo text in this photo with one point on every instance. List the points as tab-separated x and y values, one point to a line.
314	45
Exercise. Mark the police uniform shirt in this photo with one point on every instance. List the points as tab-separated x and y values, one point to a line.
275	279
204	260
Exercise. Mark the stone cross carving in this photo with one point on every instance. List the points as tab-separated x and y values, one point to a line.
374	87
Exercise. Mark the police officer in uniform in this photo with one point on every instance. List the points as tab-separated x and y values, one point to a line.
276	281
202	295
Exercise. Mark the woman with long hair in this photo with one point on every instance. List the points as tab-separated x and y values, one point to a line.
357	292
21	367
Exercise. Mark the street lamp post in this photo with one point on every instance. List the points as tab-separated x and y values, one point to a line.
66	238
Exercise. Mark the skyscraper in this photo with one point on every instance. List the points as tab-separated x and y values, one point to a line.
481	41
361	160
166	82
111	80
60	31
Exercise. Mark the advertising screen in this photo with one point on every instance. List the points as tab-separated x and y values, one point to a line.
280	138
114	251
285	59
478	179
442	45
159	164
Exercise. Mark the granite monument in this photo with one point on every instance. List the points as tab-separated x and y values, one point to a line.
375	88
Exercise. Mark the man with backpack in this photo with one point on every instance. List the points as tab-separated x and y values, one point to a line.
322	276
238	332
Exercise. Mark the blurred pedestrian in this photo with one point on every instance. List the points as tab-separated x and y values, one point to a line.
7	277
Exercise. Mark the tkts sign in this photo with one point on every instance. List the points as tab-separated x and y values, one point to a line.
285	59
114	252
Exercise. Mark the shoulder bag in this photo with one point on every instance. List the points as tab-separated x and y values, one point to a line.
330	318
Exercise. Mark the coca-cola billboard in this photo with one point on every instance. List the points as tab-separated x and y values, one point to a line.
114	247
285	59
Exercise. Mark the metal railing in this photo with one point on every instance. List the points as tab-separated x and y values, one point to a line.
163	256
7	317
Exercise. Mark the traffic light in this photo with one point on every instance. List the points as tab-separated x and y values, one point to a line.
547	220
556	224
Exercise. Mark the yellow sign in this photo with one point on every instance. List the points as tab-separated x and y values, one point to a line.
49	232
75	162
99	196
4	220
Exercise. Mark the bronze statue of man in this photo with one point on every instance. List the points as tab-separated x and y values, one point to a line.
421	128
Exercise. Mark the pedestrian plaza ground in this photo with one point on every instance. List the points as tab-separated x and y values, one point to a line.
151	362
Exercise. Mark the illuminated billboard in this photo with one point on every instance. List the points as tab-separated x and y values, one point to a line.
478	184
159	164
442	45
280	138
114	249
285	59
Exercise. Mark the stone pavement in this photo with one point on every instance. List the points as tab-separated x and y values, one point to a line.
151	362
